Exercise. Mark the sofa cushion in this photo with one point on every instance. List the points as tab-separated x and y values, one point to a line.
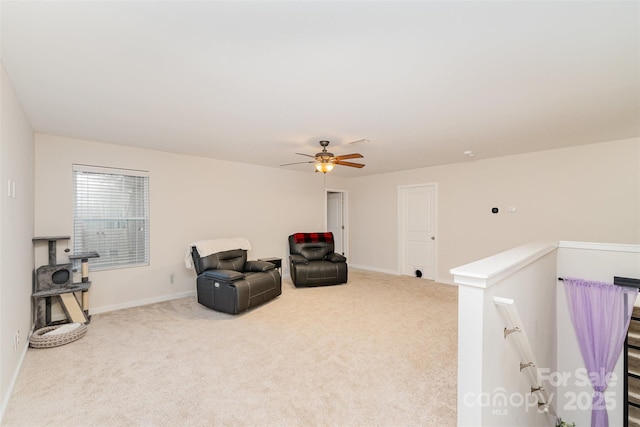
223	275
258	266
314	252
227	260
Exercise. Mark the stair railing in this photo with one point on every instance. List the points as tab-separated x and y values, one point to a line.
514	328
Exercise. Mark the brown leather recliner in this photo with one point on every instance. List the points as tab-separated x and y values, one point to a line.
227	282
313	262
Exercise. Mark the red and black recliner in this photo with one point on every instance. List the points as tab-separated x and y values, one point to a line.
313	262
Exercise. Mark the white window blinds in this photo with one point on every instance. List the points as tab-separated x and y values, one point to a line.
111	215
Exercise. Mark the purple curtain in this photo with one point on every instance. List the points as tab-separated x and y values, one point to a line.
600	313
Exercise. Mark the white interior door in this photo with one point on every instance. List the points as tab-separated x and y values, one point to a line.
335	219
417	244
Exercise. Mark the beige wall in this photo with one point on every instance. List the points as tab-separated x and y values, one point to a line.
586	193
191	198
16	231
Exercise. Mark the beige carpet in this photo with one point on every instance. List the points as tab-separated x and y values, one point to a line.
379	351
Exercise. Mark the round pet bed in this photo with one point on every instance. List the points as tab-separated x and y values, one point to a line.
40	339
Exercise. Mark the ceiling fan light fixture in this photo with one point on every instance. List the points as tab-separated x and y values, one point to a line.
324	167
325	161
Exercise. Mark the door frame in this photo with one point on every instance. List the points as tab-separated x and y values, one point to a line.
402	255
345	216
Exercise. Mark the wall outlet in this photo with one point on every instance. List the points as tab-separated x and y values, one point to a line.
16	340
11	189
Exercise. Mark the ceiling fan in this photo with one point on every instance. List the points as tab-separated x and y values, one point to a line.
325	161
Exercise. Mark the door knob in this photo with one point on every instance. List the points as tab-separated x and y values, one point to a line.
433	237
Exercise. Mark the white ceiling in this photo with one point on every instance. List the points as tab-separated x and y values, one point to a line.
256	82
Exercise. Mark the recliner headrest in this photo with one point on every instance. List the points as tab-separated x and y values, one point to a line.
226	260
312	246
313	237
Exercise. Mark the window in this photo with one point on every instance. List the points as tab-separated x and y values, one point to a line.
111	216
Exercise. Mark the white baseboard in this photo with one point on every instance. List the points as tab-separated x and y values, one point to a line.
14	378
129	304
395	273
376	269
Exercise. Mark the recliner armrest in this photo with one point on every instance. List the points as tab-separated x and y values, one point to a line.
334	257
223	275
258	266
298	259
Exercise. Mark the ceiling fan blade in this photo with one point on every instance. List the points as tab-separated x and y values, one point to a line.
353	165
349	156
308	155
296	163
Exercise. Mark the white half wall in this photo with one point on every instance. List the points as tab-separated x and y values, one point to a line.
492	389
191	198
598	262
